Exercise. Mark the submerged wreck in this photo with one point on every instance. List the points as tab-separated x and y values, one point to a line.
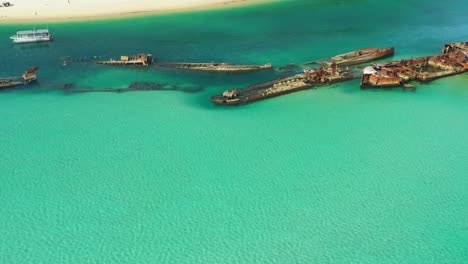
216	67
28	76
133	87
453	61
312	78
357	57
130	60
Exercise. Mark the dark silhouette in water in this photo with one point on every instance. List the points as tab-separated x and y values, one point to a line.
133	87
290	68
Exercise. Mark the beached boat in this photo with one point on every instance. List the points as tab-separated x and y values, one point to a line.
216	67
30	36
357	57
130	60
28	76
311	78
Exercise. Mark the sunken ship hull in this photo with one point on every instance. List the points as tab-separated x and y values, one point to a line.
216	67
282	86
358	56
362	55
453	61
29	76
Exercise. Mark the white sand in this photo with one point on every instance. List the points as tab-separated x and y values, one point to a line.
36	10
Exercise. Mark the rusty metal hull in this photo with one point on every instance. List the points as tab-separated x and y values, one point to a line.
358	56
423	69
259	92
362	56
215	67
29	76
123	63
8	83
454	46
131	60
282	86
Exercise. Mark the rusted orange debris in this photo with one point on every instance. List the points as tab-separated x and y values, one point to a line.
454	60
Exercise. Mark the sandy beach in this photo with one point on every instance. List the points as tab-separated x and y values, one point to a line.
41	10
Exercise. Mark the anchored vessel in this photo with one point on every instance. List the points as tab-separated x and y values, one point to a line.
423	69
216	67
27	77
29	36
358	56
138	59
310	78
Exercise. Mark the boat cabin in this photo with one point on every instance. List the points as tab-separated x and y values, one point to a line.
32	36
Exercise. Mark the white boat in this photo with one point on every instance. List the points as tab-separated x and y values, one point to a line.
29	36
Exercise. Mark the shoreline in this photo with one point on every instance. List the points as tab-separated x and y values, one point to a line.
122	12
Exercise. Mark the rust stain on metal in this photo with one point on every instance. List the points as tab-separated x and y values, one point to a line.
357	57
310	78
28	76
454	60
127	60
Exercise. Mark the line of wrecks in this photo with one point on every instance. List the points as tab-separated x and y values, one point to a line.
453	60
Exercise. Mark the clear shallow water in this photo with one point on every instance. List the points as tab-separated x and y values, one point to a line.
334	175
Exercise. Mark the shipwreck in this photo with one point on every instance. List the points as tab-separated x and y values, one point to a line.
216	67
310	78
357	57
130	60
453	61
28	76
455	46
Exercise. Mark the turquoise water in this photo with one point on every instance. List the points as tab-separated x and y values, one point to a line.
332	175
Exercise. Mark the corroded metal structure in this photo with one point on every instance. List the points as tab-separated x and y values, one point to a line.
358	56
28	76
131	60
453	61
451	47
216	67
308	79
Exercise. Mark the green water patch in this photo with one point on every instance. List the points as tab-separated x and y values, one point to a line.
328	175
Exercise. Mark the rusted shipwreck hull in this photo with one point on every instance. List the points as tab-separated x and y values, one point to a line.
299	82
130	60
358	56
454	46
28	76
216	67
423	69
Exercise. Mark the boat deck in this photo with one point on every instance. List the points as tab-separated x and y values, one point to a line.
357	57
27	77
130	60
423	69
215	67
119	62
282	86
